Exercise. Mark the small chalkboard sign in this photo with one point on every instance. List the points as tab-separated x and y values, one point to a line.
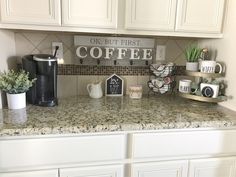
114	86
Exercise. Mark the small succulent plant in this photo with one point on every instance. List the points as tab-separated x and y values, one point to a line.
192	53
15	82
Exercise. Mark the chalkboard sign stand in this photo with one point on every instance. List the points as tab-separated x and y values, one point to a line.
114	86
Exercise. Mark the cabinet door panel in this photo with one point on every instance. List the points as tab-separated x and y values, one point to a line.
200	15
151	14
43	12
98	171
90	13
48	173
216	167
161	169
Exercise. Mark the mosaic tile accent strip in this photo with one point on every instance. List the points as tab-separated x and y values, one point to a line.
108	70
102	70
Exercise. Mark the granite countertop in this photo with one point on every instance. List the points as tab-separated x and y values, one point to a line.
108	114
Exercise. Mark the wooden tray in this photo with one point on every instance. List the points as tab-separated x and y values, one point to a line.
205	75
201	98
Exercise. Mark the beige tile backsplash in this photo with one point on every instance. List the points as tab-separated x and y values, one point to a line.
69	86
41	42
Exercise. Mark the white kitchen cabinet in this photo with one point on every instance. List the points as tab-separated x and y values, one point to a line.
59	151
31	12
90	13
161	169
97	171
200	16
45	173
183	18
186	143
150	15
216	167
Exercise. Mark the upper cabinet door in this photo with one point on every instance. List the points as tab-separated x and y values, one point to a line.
150	15
90	13
33	12
204	16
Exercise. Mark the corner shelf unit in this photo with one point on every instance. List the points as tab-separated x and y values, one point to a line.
202	98
203	75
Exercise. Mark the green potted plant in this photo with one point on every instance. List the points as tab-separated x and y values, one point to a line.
15	84
192	55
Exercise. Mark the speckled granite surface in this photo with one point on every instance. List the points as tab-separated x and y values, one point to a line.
85	115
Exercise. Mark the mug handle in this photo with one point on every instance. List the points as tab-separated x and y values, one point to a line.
221	67
89	88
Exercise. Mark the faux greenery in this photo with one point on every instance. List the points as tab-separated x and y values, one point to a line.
192	53
15	82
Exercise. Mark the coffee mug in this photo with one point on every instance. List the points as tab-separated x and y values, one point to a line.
185	86
209	66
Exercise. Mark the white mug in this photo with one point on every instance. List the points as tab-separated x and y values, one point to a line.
185	86
209	66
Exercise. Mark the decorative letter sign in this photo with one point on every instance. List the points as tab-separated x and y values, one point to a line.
110	51
114	86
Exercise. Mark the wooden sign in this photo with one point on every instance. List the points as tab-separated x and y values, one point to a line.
113	50
114	86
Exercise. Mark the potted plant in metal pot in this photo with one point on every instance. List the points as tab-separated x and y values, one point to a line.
192	54
15	84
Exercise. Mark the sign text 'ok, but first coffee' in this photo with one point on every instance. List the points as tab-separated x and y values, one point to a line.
114	48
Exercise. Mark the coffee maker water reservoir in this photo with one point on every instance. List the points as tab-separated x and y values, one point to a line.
44	68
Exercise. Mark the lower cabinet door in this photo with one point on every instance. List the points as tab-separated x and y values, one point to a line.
161	169
98	171
215	167
46	173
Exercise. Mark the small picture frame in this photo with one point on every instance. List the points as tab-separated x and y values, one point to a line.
114	86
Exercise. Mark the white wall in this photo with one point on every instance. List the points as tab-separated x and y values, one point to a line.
226	52
7	51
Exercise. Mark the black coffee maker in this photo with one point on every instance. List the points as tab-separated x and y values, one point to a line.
44	68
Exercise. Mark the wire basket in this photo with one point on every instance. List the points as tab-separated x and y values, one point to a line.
163	78
163	88
163	70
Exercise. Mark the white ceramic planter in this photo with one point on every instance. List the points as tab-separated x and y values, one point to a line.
16	101
192	66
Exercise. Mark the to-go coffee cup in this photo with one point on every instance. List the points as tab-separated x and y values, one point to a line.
185	86
209	66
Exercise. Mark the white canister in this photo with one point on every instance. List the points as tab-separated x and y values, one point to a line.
209	90
16	101
136	91
185	86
